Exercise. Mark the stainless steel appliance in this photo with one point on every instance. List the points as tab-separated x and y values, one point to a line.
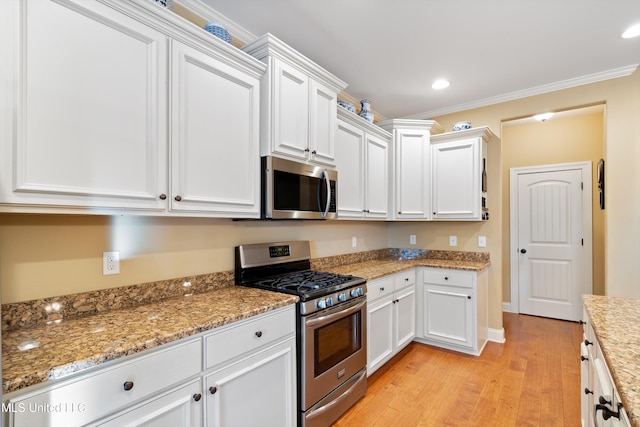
331	326
294	190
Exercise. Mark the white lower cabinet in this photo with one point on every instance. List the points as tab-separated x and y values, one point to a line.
128	386
246	378
256	391
391	317
255	385
600	402
453	310
177	408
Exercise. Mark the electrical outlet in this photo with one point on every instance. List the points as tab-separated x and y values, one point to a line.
482	241
110	263
354	242
412	239
453	240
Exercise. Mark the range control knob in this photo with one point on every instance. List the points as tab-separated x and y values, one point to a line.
322	304
342	297
329	302
360	292
354	293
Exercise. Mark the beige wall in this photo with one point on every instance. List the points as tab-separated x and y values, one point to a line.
48	255
566	140
622	154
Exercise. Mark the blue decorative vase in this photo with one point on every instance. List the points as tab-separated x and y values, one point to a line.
218	30
365	111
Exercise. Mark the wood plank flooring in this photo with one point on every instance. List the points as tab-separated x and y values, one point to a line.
533	379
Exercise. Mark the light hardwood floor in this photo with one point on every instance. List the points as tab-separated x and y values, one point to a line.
533	379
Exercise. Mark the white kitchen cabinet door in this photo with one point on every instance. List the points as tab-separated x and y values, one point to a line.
322	124
380	328
257	390
391	317
215	162
456	173
448	314
350	159
89	108
376	178
179	408
412	174
289	127
362	161
405	317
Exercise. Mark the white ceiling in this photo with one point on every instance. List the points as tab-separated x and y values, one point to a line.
492	50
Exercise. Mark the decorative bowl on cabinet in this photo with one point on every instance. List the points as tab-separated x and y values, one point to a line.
461	126
218	30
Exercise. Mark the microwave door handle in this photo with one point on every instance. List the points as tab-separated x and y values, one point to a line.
328	203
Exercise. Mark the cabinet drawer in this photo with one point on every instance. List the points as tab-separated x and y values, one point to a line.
443	276
379	288
247	336
95	395
404	279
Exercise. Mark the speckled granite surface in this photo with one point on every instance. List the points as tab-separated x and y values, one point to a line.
50	338
60	348
615	322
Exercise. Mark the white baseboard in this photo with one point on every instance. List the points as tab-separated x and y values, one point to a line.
496	335
506	306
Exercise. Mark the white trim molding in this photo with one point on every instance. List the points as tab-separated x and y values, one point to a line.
496	335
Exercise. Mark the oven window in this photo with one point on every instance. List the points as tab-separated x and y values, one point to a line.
337	341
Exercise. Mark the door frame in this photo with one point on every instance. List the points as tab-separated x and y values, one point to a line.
587	225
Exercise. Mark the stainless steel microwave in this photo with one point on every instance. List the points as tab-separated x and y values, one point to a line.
296	190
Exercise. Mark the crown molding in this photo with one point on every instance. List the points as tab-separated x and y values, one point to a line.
538	90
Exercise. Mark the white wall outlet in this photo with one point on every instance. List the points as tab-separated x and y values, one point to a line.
110	263
482	241
354	242
412	239
453	240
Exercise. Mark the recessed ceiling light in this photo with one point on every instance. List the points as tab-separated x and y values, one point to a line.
440	84
543	117
633	31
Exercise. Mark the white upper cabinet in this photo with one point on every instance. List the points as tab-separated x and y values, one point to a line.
410	177
362	161
215	116
87	111
458	164
298	104
89	127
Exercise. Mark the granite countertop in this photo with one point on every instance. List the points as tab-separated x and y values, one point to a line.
34	355
48	351
374	269
615	323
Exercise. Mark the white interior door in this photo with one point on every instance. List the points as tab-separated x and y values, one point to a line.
548	241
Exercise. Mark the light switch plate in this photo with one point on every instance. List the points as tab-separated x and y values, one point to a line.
412	239
453	240
482	241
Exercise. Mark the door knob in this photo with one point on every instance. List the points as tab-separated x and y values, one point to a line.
523	251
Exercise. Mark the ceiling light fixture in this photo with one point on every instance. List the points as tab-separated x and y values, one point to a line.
440	84
543	117
633	31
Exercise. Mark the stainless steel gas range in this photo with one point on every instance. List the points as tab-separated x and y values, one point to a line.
331	325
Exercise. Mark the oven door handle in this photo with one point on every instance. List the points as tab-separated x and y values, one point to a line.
342	313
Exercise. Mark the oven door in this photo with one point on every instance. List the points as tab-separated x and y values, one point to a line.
333	347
